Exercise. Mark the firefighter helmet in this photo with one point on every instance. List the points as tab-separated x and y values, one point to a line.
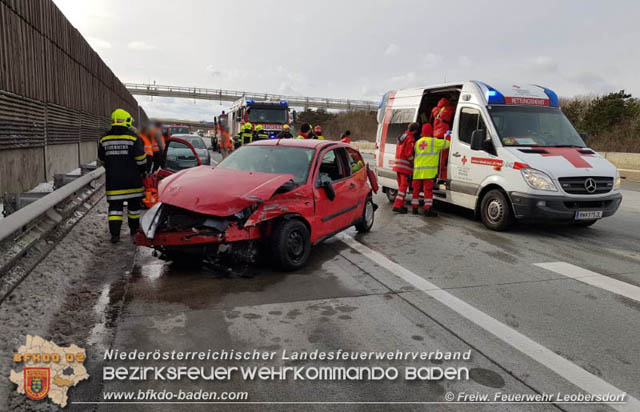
120	117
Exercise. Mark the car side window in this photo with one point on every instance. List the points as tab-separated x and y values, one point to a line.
470	120
332	166
355	160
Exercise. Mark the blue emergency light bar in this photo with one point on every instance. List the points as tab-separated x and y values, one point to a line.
283	103
249	102
553	97
494	96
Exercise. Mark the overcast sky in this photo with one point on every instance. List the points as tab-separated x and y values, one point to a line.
359	49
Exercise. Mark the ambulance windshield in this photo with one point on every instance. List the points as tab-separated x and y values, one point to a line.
534	126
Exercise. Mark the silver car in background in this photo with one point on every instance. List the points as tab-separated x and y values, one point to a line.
198	143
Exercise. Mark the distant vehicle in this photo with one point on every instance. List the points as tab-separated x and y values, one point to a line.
277	197
199	145
271	115
513	156
176	129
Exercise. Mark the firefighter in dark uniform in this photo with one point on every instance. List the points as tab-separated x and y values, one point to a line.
122	153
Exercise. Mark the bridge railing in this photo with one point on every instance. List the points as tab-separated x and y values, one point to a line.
232	95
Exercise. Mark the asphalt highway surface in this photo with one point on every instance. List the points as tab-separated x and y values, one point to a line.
542	310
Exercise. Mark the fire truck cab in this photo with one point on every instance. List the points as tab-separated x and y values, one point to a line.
272	115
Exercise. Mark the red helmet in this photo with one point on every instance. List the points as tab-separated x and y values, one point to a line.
317	129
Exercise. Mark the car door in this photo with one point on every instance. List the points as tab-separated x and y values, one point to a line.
358	186
332	215
468	168
178	155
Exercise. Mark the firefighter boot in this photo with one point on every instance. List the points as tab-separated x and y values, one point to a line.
400	210
430	213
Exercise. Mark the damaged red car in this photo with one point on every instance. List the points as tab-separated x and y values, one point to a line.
274	198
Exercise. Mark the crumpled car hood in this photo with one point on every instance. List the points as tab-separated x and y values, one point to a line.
219	192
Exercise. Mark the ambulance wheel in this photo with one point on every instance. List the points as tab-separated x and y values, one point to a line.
495	211
366	221
391	194
291	244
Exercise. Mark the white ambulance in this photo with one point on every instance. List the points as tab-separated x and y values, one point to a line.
513	156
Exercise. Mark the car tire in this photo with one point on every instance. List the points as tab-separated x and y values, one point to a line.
495	211
291	244
391	194
585	223
368	216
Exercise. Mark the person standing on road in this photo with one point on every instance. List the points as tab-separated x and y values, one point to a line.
246	134
346	137
425	169
285	133
260	133
157	144
317	131
305	131
125	161
403	166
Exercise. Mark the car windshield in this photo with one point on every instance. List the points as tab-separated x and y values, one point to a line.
267	115
196	142
534	126
272	159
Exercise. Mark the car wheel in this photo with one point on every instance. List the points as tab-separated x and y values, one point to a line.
366	221
291	244
495	211
391	194
585	223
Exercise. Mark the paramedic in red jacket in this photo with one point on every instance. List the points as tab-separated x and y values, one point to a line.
403	165
441	116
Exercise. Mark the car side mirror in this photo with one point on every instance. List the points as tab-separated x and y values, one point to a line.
584	137
478	138
326	184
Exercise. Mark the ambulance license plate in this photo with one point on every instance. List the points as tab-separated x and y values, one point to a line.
588	214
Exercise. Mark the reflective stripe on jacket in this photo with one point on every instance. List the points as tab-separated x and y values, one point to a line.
404	154
427	157
246	137
148	147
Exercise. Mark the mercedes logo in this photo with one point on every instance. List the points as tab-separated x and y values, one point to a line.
590	185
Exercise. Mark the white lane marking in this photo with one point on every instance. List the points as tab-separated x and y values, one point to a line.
593	279
568	370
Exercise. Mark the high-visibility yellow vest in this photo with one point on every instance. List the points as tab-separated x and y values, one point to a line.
246	135
427	157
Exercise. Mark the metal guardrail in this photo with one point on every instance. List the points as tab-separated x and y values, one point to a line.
21	218
233	95
29	234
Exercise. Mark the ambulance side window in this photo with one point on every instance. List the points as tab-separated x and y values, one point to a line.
399	122
470	120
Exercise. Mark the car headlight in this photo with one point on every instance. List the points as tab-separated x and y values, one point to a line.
538	180
618	181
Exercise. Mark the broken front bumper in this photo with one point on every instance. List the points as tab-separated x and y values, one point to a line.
212	230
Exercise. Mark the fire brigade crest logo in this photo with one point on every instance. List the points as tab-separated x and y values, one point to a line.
48	370
36	382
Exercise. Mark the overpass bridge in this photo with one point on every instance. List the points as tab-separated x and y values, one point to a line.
143	89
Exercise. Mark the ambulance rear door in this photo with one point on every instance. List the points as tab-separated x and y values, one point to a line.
398	109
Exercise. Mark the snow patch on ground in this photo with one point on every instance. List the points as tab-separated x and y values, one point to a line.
56	301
